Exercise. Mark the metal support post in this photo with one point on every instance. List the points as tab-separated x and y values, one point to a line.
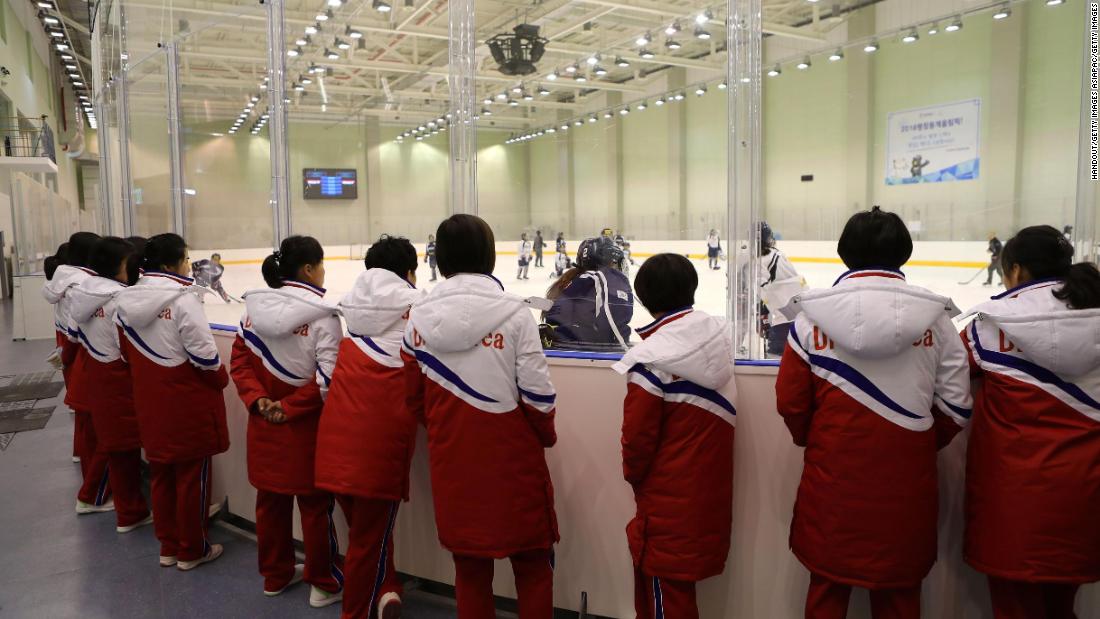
463	132
176	193
277	130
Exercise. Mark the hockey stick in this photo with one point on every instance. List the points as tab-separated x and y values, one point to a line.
980	271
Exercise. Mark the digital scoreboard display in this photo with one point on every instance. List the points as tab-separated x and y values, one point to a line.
330	184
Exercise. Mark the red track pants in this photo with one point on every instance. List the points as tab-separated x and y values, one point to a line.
829	600
125	477
275	537
368	566
95	487
661	598
534	573
1031	600
181	504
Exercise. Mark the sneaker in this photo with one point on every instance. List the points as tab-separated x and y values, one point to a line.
389	607
89	508
214	552
299	573
168	561
76	459
137	525
319	598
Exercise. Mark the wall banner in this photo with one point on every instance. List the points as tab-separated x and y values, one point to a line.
934	144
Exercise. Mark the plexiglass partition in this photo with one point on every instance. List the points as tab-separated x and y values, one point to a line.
667	128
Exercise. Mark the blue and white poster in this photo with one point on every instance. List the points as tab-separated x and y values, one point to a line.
934	144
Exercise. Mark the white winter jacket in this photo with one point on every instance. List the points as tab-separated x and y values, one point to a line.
92	305
162	317
376	310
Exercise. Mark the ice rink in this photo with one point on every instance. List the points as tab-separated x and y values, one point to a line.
938	266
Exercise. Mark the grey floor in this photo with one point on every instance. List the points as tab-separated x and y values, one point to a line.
55	564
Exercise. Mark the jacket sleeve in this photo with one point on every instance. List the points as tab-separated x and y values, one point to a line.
249	387
194	330
326	349
537	396
794	388
414	378
643	410
952	397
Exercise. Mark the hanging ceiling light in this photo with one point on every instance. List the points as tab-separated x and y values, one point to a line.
294	52
600	71
837	55
871	47
593	60
305	79
352	33
592	119
624	111
578	122
513	102
679	96
700	91
955	25
911	36
641	107
1054	2
1003	12
644	40
313	29
621	62
722	85
934	29
517	89
324	15
543	91
608	114
702	33
49	19
673	28
528	96
302	41
804	64
645	53
382	6
571	69
580	78
775	71
502	96
659	102
704	17
672	44
331	55
552	76
487	101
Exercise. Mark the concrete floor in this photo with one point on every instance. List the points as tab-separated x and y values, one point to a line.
55	564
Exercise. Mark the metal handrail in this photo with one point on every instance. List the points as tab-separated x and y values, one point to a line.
27	137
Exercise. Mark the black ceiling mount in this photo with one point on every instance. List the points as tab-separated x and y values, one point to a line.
517	53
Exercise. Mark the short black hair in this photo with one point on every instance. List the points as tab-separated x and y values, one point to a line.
392	253
133	265
80	247
164	250
1046	253
109	254
465	244
666	282
294	253
875	239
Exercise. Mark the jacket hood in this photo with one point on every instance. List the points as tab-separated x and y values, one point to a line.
277	312
86	298
139	305
63	278
461	311
874	320
1044	331
697	347
377	302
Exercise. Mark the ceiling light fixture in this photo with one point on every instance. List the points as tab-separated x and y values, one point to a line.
934	29
722	85
700	91
313	28
621	62
673	28
543	91
600	71
645	53
837	55
775	71
571	69
294	52
641	107
580	78
672	44
593	60
331	55
702	34
644	40
659	102
911	36
804	64
342	44
956	25
1003	12
324	15
704	17
871	47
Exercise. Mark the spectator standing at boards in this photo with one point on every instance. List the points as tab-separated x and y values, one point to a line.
540	243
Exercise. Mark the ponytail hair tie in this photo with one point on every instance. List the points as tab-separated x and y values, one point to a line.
278	255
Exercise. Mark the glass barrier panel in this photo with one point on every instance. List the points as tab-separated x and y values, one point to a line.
615	135
149	150
965	125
